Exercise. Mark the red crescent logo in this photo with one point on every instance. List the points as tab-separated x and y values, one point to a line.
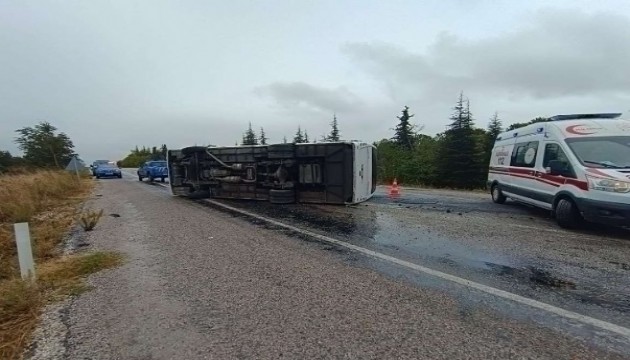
574	130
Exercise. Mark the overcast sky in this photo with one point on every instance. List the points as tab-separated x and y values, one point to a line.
116	74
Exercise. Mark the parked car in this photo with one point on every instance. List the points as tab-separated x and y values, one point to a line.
107	170
575	166
152	170
96	163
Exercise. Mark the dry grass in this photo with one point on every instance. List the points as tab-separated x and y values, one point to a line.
21	301
48	201
45	199
89	219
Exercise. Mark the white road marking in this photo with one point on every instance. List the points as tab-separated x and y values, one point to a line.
461	281
165	184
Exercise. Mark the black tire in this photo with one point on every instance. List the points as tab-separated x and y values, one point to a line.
281	151
162	179
567	214
139	177
120	176
281	196
497	195
98	177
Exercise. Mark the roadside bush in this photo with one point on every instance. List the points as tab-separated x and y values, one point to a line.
89	219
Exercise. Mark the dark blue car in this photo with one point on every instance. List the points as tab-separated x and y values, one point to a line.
96	164
156	169
107	170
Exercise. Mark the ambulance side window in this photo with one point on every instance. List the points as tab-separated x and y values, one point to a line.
555	152
525	154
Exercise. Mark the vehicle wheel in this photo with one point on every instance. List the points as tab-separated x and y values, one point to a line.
161	179
567	214
120	176
139	177
281	196
497	194
281	151
98	177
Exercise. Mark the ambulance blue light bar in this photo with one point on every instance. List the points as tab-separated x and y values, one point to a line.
585	116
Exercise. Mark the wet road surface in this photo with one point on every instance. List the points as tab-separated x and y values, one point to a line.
510	247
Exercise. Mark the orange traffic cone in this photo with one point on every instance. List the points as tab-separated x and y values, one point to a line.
394	190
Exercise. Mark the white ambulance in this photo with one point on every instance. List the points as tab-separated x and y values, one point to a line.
576	166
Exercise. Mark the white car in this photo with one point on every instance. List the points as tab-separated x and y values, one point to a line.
576	166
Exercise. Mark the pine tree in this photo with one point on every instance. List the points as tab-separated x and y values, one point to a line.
460	158
263	137
305	140
249	138
404	131
299	137
334	131
495	127
462	117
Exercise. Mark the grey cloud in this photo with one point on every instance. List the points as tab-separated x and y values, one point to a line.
299	94
561	53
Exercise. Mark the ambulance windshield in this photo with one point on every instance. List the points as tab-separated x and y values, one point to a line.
611	152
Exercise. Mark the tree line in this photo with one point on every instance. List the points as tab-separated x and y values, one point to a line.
138	156
43	147
301	136
455	158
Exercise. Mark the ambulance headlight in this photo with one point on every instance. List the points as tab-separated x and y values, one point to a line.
610	185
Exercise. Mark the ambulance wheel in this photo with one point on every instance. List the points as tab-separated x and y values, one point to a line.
497	195
567	214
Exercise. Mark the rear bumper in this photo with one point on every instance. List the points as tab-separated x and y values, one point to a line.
604	212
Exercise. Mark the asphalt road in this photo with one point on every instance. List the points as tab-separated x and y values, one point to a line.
448	281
